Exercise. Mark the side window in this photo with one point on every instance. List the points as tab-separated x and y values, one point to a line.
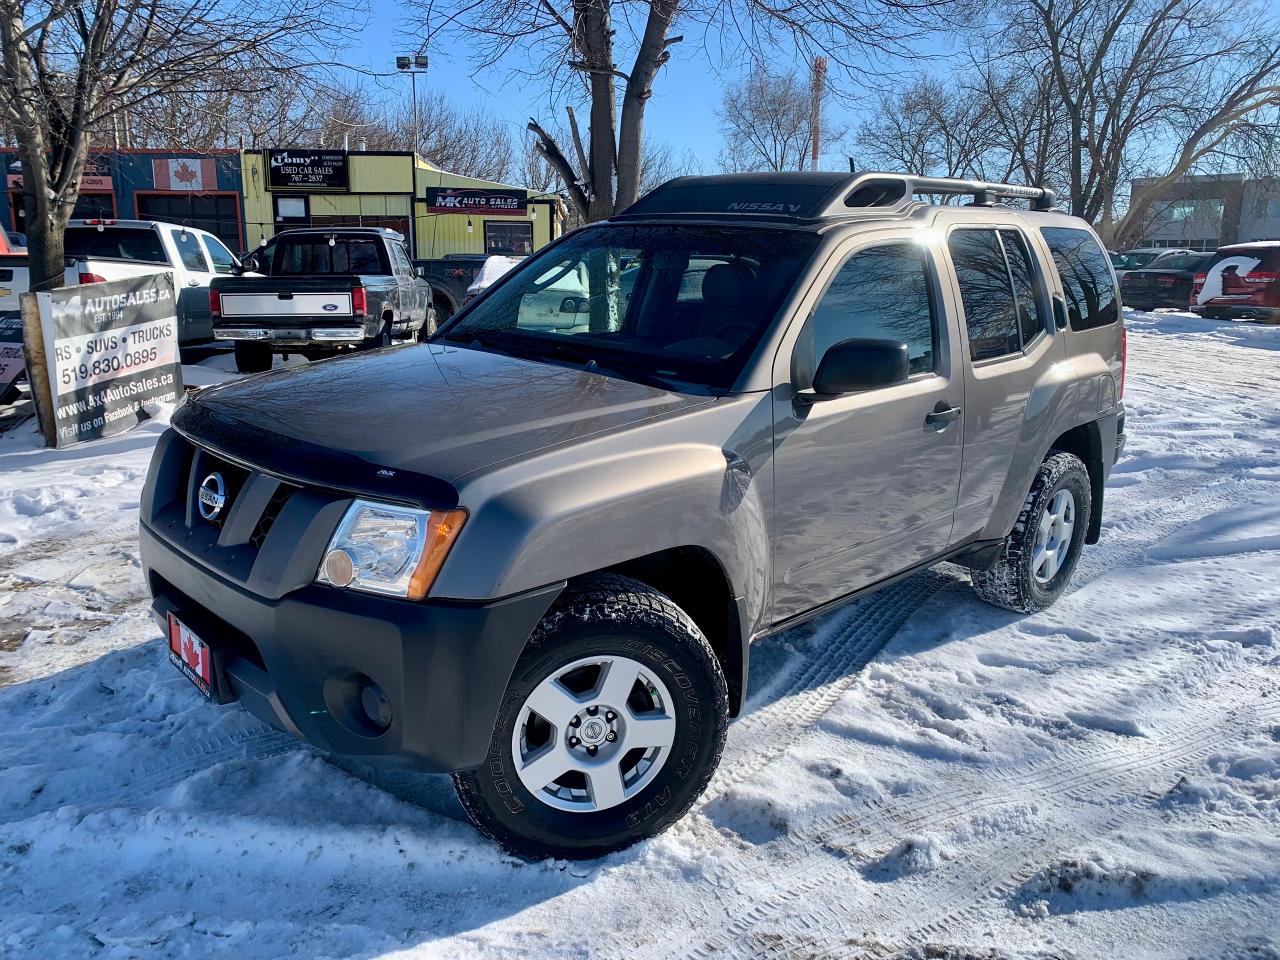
1024	284
990	311
401	260
189	250
223	261
881	293
1086	277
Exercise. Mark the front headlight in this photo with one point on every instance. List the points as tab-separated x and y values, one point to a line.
395	551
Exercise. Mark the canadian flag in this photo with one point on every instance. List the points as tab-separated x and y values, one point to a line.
191	649
196	175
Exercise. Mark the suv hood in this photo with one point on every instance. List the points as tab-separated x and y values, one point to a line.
432	410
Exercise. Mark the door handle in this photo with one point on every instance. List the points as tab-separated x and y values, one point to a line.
193	283
942	416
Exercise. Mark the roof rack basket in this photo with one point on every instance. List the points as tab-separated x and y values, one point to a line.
873	189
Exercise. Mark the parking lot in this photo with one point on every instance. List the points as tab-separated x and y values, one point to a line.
915	772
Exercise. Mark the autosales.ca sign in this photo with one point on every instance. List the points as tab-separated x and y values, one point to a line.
112	350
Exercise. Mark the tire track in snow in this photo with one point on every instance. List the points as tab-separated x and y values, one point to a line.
1088	780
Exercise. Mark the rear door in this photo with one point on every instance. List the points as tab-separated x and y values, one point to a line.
1005	316
195	322
866	483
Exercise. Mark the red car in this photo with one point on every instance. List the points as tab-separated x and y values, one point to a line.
1242	281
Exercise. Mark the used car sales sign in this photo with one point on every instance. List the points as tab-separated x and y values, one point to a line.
112	350
306	170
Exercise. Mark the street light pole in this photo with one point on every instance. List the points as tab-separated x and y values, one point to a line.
413	66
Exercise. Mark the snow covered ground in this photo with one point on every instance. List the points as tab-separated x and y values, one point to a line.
918	775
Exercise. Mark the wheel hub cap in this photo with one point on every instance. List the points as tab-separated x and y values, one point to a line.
1053	537
593	734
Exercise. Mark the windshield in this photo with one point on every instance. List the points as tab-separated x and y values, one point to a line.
1179	261
669	301
114	243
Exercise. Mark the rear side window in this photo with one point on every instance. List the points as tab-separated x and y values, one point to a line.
986	289
1024	284
189	250
114	243
881	294
1086	277
306	255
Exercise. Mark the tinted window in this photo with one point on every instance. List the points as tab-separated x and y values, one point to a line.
879	294
115	243
306	255
222	259
1086	277
189	250
624	296
1179	261
1024	284
990	310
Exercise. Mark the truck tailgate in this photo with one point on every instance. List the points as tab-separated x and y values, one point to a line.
285	304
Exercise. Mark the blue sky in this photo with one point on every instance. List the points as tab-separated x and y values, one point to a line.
681	113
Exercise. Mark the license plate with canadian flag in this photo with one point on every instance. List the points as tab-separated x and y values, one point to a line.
192	656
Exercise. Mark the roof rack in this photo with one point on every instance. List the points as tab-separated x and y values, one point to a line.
874	189
817	196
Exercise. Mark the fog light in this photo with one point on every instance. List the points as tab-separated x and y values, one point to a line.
339	568
376	706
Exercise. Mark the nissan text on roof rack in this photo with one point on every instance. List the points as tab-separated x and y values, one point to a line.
771	394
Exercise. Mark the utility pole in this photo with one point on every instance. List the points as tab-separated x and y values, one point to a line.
815	115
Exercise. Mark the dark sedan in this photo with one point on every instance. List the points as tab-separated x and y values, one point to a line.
1165	282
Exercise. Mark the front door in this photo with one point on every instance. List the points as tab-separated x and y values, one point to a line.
195	322
866	484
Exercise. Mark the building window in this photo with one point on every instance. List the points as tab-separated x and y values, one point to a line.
1273	208
1182	210
291	209
508	239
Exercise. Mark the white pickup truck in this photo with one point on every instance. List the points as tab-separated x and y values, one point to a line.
99	250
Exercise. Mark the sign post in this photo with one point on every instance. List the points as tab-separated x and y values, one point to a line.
101	354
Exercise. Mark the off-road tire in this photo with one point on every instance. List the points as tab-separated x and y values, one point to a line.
1009	583
615	615
252	357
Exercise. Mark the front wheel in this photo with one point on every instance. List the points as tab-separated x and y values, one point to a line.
612	724
1040	553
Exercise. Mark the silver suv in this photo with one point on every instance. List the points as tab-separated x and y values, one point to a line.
772	394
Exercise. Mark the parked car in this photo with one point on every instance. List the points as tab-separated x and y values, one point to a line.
321	291
450	277
99	250
1140	257
1240	282
1164	282
547	580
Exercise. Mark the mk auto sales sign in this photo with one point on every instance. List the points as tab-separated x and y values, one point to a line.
112	349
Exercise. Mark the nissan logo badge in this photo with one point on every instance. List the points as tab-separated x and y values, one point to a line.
212	497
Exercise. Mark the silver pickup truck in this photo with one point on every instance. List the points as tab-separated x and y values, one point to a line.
322	292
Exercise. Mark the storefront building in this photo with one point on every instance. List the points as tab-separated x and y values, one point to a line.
439	213
197	188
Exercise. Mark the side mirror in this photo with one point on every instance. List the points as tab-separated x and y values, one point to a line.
854	365
250	264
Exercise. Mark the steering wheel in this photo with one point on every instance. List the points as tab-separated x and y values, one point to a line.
726	330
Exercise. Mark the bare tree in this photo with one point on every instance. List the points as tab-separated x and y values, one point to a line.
1182	79
72	67
930	128
577	47
767	122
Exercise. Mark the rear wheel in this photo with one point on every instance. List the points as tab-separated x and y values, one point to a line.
1040	553
252	356
381	339
612	724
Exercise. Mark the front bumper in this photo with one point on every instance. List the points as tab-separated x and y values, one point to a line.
299	662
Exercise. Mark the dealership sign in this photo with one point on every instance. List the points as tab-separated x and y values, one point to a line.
95	179
11	359
307	170
509	203
112	351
